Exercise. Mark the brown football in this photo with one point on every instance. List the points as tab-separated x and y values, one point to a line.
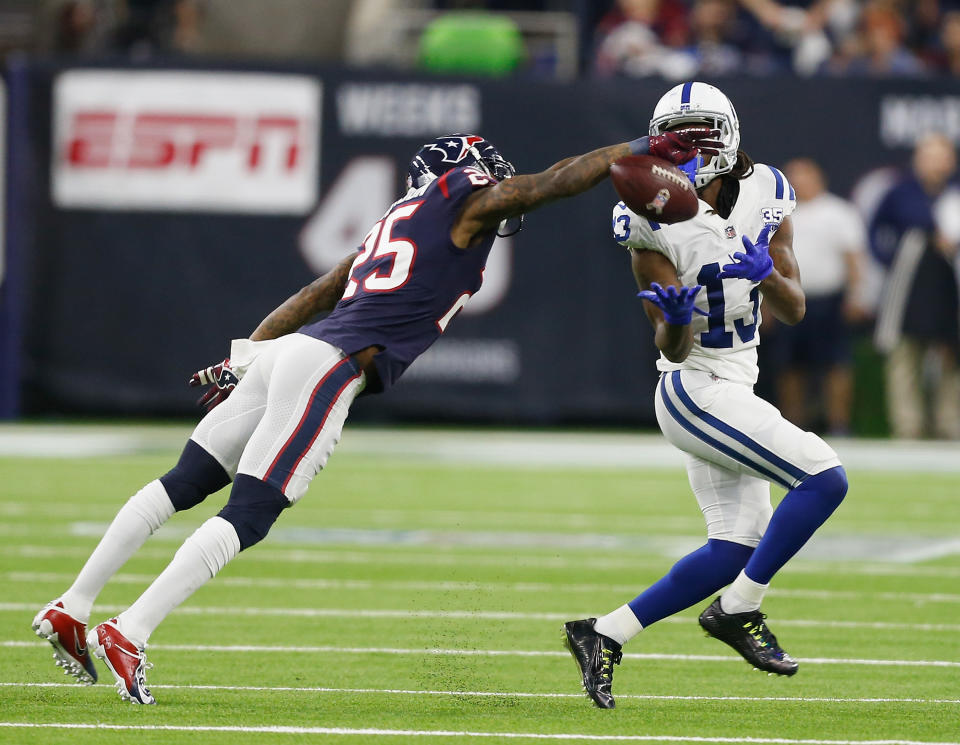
654	188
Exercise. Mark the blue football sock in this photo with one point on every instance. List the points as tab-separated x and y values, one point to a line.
804	509
692	579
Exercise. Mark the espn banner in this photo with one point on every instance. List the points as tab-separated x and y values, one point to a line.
185	141
173	209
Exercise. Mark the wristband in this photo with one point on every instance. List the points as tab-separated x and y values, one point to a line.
640	146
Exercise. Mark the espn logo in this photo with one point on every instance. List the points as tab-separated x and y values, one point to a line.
187	141
107	139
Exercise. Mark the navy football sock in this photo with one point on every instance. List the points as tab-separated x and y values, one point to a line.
804	509
692	579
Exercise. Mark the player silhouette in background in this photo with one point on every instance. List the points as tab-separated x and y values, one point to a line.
294	381
720	264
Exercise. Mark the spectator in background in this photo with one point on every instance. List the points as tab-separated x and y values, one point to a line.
713	48
658	37
915	235
878	49
641	37
830	244
950	43
806	32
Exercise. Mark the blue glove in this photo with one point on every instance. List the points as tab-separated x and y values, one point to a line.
677	306
755	264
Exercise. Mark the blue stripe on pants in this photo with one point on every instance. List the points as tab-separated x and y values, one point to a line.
712	441
324	397
797	473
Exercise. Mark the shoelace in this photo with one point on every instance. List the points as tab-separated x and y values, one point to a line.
758	629
608	659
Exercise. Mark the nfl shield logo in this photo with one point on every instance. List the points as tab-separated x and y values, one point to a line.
730	231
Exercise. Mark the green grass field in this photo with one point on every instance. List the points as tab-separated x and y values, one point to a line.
416	599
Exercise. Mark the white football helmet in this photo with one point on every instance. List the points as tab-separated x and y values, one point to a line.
700	103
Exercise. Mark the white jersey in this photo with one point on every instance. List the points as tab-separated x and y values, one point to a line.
725	341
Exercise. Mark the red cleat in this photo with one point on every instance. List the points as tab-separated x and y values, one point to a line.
126	661
67	636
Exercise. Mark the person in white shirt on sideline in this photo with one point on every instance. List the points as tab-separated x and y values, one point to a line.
830	243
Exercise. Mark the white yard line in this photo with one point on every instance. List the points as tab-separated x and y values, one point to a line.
392	555
511	694
519	448
455	586
377	732
890	548
489	615
284	649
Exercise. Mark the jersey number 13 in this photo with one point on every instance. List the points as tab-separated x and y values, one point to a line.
716	336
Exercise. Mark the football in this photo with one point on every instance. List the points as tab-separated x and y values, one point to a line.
654	188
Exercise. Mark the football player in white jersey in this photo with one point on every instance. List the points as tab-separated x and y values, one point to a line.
703	282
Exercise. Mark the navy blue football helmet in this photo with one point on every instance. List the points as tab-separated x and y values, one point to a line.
461	151
456	151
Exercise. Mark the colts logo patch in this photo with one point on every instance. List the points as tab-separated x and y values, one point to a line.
730	231
659	201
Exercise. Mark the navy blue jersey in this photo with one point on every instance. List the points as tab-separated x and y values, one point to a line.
409	279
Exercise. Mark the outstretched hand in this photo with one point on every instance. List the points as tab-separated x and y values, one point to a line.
221	378
678	306
682	145
754	262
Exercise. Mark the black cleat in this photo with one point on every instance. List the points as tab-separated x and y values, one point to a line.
749	634
595	655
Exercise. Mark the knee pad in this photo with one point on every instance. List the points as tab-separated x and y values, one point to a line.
196	475
253	508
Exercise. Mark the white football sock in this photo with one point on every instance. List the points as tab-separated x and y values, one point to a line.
197	561
620	625
142	514
743	595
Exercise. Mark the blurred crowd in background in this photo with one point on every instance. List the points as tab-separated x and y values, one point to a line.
904	234
675	39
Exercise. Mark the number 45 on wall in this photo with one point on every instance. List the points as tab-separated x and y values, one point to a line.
355	200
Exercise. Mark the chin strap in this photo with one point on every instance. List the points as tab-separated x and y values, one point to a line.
691	167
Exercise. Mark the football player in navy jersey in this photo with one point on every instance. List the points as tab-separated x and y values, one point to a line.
292	382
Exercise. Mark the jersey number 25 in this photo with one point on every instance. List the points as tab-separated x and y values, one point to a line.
378	243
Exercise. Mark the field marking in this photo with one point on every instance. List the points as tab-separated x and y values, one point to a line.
491	615
381	556
280	729
510	448
509	694
284	649
903	549
470	586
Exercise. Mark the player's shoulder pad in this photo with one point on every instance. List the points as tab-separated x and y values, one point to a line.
458	182
633	231
773	183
